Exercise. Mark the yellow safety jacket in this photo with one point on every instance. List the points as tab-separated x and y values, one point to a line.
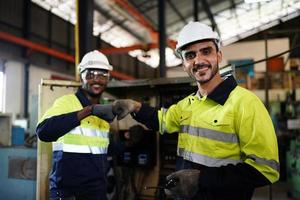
214	134
92	136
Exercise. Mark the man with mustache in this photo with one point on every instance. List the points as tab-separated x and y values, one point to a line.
227	144
78	127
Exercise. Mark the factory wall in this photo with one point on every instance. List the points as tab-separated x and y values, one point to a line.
14	88
255	50
15	78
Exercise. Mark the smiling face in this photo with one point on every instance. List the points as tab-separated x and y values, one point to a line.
201	60
94	81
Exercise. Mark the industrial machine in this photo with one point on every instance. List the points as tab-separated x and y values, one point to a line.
18	162
293	159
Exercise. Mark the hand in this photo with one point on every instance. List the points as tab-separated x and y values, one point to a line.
123	107
183	183
103	111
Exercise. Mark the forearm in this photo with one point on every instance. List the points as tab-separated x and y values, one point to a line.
52	128
86	111
148	116
239	176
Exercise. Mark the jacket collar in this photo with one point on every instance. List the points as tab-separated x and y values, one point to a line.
82	98
221	93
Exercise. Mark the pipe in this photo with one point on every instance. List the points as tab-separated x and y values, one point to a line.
55	53
140	18
111	50
143	21
121	76
34	46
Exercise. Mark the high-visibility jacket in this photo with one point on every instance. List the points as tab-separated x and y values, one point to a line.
238	130
92	136
80	154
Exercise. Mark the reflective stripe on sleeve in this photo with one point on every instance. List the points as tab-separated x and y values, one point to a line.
271	163
162	116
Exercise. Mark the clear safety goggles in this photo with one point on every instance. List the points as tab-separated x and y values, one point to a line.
96	73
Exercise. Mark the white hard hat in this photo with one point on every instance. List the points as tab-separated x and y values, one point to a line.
195	31
94	60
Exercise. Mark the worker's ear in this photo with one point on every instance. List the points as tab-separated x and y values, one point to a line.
220	56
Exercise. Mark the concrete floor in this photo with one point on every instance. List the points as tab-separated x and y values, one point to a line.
279	192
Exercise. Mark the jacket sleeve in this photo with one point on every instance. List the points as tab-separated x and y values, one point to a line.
147	116
156	119
57	120
241	175
54	127
259	151
116	148
257	138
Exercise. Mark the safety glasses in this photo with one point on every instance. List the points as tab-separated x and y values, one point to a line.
95	73
189	55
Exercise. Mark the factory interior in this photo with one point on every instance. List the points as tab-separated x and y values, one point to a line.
43	41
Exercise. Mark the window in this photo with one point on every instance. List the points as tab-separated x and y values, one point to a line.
2	86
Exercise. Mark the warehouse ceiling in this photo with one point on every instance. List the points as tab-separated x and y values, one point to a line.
124	23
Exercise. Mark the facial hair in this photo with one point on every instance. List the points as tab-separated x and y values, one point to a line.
199	66
214	71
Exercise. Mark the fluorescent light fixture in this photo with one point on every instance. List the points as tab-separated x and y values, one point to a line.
255	1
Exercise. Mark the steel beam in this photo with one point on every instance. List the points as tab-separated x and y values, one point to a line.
162	38
210	15
196	10
36	47
143	21
145	47
52	52
117	22
140	18
176	11
85	21
25	32
112	50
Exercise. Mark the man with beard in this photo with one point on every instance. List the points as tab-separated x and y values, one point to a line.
227	144
78	127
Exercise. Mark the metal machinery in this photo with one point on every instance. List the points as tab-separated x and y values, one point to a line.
293	168
18	162
293	154
18	173
161	92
